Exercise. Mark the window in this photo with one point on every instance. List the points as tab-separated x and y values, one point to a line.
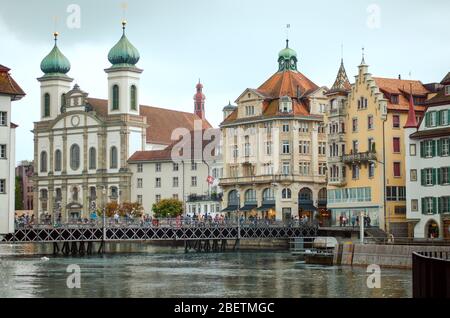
355	146
139	183
447	89
370	122
3	118
286	147
427	149
2	151
428	177
58	160
268	148
397	171
249	110
321	129
444	204
114	193
395	193
285	127
286	193
75	194
250	196
193	181
362	103
286	167
43	161
115	102
175	196
429	205
400	209
175	182
394	99
322	148
395	121
414	205
370	145
444	176
444	147
235	151
322	168
140	167
247	148
354	124
371	169
63	100
74	157
2	186
233	198
158	198
303	127
355	172
133	97
113	158
412	149
268	195
139	199
286	104
47	105
304	147
175	167
92	158
396	144
304	168
444	117
194	166
157	182
413	175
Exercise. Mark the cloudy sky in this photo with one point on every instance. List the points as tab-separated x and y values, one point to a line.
229	44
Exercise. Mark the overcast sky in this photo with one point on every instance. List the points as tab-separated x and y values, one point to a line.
229	44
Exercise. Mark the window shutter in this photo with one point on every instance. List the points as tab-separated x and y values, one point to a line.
448	117
434	175
422	149
422	177
438	118
423	205
433	148
427	119
439	147
439	205
439	175
434	205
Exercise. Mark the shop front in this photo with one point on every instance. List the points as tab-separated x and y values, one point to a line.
343	217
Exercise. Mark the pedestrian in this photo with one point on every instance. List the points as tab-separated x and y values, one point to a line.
353	220
341	219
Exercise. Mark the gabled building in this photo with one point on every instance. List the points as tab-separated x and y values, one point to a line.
427	145
82	144
9	91
274	147
366	166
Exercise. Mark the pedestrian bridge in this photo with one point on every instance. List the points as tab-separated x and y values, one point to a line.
167	230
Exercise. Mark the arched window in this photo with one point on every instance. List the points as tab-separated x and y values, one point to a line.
268	195
305	194
233	198
323	194
133	97
115	93
46	105
58	160
113	158
75	194
74	157
250	195
63	100
43	161
286	193
92	158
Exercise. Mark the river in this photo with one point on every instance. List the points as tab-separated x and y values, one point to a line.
152	271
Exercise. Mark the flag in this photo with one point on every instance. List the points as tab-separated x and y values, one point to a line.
210	180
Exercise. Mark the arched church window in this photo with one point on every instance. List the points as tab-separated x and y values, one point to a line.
43	161
115	105
113	158
58	160
74	157
133	97
46	105
92	158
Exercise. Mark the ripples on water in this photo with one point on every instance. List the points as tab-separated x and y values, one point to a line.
168	272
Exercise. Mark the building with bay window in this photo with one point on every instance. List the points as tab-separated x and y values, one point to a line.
428	167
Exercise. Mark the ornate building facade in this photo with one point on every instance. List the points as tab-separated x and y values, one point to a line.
82	144
274	147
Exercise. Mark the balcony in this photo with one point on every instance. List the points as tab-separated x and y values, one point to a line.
337	137
339	110
203	198
360	157
337	182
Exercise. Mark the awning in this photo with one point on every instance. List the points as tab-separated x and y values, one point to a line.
266	206
307	205
248	207
230	208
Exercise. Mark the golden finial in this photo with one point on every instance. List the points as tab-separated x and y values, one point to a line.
55	34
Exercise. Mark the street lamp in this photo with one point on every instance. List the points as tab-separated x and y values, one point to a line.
104	212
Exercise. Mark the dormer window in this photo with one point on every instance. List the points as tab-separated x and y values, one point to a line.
394	99
249	110
285	104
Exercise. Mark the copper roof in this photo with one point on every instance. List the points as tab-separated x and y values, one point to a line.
8	85
392	86
162	122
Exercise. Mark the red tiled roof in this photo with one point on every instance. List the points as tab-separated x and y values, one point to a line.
161	121
8	85
286	83
392	86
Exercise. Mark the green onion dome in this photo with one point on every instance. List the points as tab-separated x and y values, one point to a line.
287	52
123	53
55	62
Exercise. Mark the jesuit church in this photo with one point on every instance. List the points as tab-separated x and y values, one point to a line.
82	144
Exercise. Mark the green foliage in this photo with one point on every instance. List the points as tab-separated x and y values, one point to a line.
18	194
168	208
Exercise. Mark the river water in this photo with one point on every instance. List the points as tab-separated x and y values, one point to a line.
152	271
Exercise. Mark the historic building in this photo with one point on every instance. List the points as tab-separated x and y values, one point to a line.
427	146
366	165
82	144
9	91
25	172
274	146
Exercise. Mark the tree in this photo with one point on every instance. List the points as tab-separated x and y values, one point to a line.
18	194
168	208
134	209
